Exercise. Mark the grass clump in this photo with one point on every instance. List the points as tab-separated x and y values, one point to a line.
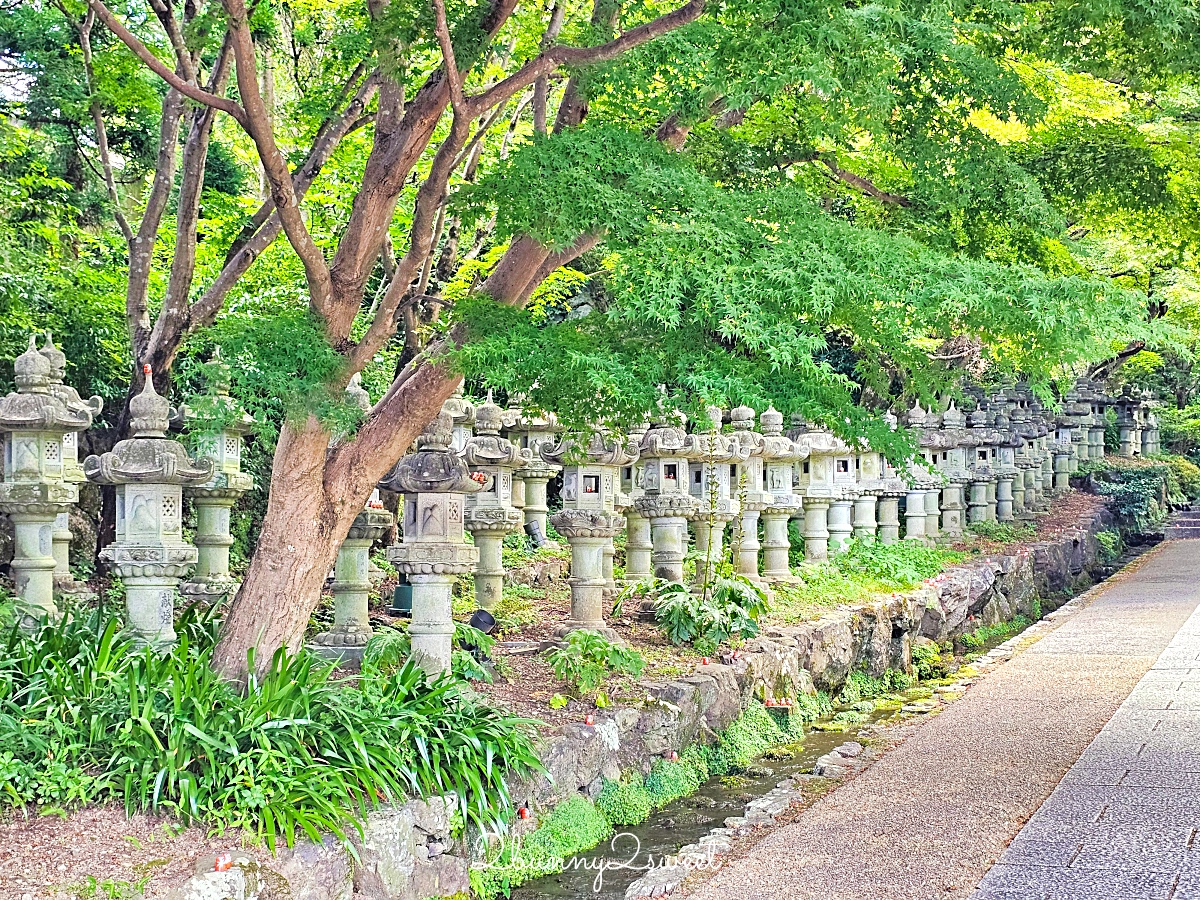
1109	543
1004	532
86	715
927	661
625	802
574	825
863	686
985	634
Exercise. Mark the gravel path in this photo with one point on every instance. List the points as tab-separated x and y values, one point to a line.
931	817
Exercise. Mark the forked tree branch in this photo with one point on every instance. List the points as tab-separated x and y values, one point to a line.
159	68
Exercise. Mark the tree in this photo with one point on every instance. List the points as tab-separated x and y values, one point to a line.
715	170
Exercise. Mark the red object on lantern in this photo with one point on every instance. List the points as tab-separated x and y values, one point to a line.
770	701
224	861
523	813
704	660
146	370
589	719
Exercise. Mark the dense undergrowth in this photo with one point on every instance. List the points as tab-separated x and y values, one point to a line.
87	716
861	571
1141	491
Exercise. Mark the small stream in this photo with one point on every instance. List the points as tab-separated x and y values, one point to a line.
684	821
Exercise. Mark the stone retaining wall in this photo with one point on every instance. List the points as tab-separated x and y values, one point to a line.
408	853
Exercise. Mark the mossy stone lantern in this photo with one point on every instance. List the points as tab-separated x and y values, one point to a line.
150	554
219	425
36	489
490	512
780	455
435	482
666	501
64	582
589	520
714	459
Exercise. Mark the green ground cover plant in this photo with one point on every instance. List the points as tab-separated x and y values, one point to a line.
588	658
985	634
85	715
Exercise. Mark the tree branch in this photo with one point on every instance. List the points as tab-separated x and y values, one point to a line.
453	76
863	185
152	62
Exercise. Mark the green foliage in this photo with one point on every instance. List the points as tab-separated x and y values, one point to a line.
1110	544
862	686
986	634
927	661
571	827
626	801
1137	494
87	716
730	607
754	732
1004	532
588	658
903	564
389	650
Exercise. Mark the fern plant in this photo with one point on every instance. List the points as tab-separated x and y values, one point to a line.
731	608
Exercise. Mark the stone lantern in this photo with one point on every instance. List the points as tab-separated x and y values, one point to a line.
1100	404
665	500
1127	426
1151	439
953	465
37	488
711	465
1079	414
1043	453
64	582
150	554
490	513
979	506
921	483
1062	453
818	487
531	432
748	483
638	546
435	482
779	455
219	432
1006	469
462	414
589	520
351	630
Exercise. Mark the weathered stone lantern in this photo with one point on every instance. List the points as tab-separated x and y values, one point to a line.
1100	404
952	464
1151	433
665	500
150	554
890	492
490	513
1128	426
818	487
1079	414
980	506
462	414
748	484
1062	453
589	520
220	425
711	465
435	482
531	432
64	582
921	483
36	489
638	546
779	455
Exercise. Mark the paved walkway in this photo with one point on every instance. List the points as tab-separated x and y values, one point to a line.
1123	821
931	817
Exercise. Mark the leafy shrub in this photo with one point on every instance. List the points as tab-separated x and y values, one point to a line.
861	686
389	650
626	801
754	732
980	637
903	564
1004	532
927	661
1110	545
671	779
730	608
588	658
87	715
1136	493
571	827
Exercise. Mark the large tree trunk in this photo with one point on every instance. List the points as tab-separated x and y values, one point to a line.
315	494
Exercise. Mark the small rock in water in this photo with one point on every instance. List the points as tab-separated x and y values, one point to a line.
850	749
831	765
920	706
757	771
